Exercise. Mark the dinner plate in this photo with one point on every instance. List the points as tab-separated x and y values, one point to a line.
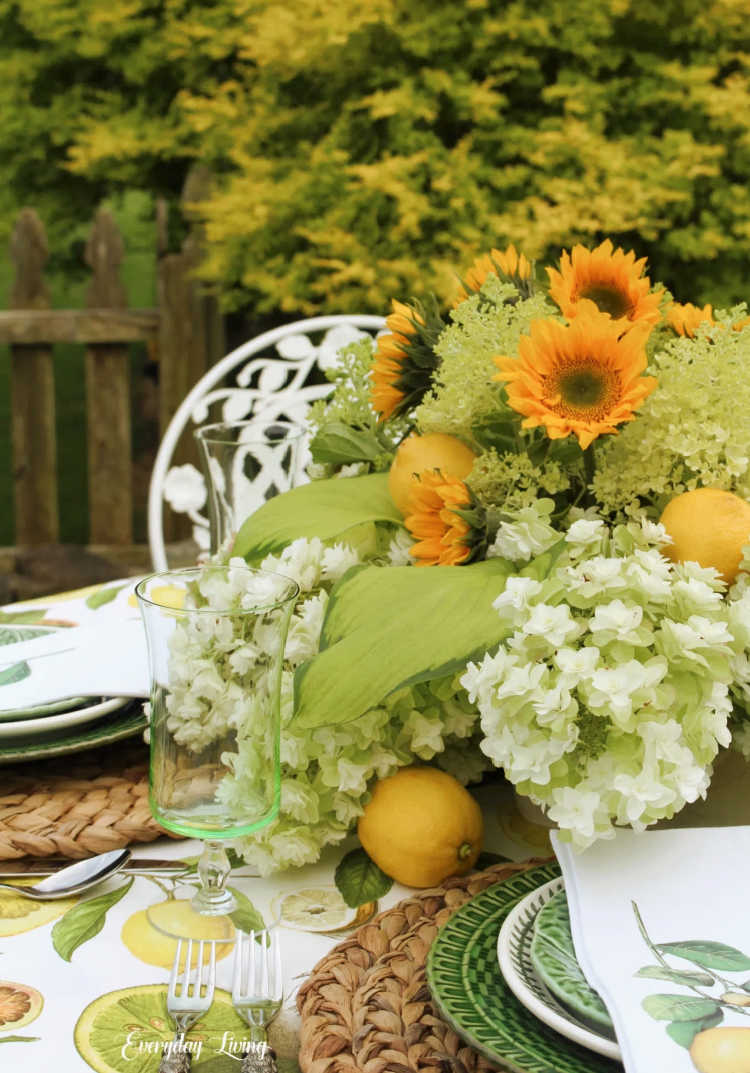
514	945
9	634
94	708
471	993
122	723
553	958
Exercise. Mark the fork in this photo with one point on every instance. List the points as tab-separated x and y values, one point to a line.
189	994
257	994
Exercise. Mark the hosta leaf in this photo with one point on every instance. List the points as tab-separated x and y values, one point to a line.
390	627
679	1007
324	509
710	955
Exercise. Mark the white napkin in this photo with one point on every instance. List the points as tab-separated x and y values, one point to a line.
690	887
107	659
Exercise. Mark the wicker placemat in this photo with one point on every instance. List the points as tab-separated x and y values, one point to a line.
366	1007
74	807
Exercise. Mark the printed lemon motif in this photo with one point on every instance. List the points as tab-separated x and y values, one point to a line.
19	1005
141	935
721	1050
164	595
420	826
418	453
315	909
707	526
18	914
124	1031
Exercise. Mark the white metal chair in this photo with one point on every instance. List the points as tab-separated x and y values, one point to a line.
273	383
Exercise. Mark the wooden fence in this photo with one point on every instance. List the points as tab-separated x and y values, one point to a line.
183	333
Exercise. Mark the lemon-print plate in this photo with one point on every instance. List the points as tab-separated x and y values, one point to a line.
9	634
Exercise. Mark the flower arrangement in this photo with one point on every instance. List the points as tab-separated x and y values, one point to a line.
558	634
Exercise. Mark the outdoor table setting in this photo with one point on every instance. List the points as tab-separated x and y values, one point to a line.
439	764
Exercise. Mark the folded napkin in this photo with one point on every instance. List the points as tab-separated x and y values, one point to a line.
108	659
661	928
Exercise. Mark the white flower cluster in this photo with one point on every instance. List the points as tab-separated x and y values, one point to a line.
610	698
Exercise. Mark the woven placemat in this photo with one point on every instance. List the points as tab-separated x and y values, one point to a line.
366	1007
77	807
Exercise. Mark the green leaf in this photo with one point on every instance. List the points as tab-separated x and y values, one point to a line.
541	567
679	1007
684	1032
84	921
324	509
245	917
337	443
35	616
709	954
360	880
677	976
103	596
15	673
390	627
20	1039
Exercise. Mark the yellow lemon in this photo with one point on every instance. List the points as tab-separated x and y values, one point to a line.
142	936
419	453
19	914
708	526
721	1050
420	826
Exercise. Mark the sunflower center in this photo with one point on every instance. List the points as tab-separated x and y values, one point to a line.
608	299
583	390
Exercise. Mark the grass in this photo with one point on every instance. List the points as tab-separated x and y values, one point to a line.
138	272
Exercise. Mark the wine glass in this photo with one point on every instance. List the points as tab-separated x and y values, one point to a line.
245	463
215	636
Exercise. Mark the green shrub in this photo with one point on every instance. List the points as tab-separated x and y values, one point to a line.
369	150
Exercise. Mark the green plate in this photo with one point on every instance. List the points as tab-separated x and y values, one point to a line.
554	960
125	723
466	983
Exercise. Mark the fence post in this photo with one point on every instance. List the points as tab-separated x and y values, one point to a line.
33	396
110	467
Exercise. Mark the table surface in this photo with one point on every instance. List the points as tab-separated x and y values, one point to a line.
89	974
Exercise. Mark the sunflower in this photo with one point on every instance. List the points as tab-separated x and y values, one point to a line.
404	360
686	319
446	521
610	279
505	264
582	378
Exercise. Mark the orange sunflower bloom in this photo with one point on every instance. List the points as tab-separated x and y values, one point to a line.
686	319
582	378
404	360
610	279
506	263
442	520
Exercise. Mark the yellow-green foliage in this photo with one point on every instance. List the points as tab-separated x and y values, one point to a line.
369	150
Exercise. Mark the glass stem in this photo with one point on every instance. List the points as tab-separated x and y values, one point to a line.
213	868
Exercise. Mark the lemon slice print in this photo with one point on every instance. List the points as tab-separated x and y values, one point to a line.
124	1031
18	914
19	1005
314	909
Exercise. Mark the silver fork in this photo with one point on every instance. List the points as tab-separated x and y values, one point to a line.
189	994
257	994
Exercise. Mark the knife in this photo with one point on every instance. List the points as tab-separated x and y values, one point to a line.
45	866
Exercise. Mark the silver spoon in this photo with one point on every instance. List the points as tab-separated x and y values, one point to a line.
75	878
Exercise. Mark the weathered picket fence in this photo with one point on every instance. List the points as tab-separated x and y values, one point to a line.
183	333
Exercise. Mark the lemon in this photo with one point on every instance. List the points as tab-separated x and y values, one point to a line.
163	595
721	1050
315	909
19	914
141	935
419	453
708	526
420	826
124	1031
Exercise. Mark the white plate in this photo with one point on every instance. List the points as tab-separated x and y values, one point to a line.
513	944
94	708
10	633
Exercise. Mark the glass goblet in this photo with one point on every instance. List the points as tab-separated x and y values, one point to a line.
215	637
245	463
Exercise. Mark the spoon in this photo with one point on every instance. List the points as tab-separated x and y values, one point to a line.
75	878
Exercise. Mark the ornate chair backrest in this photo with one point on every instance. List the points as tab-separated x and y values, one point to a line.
271	375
